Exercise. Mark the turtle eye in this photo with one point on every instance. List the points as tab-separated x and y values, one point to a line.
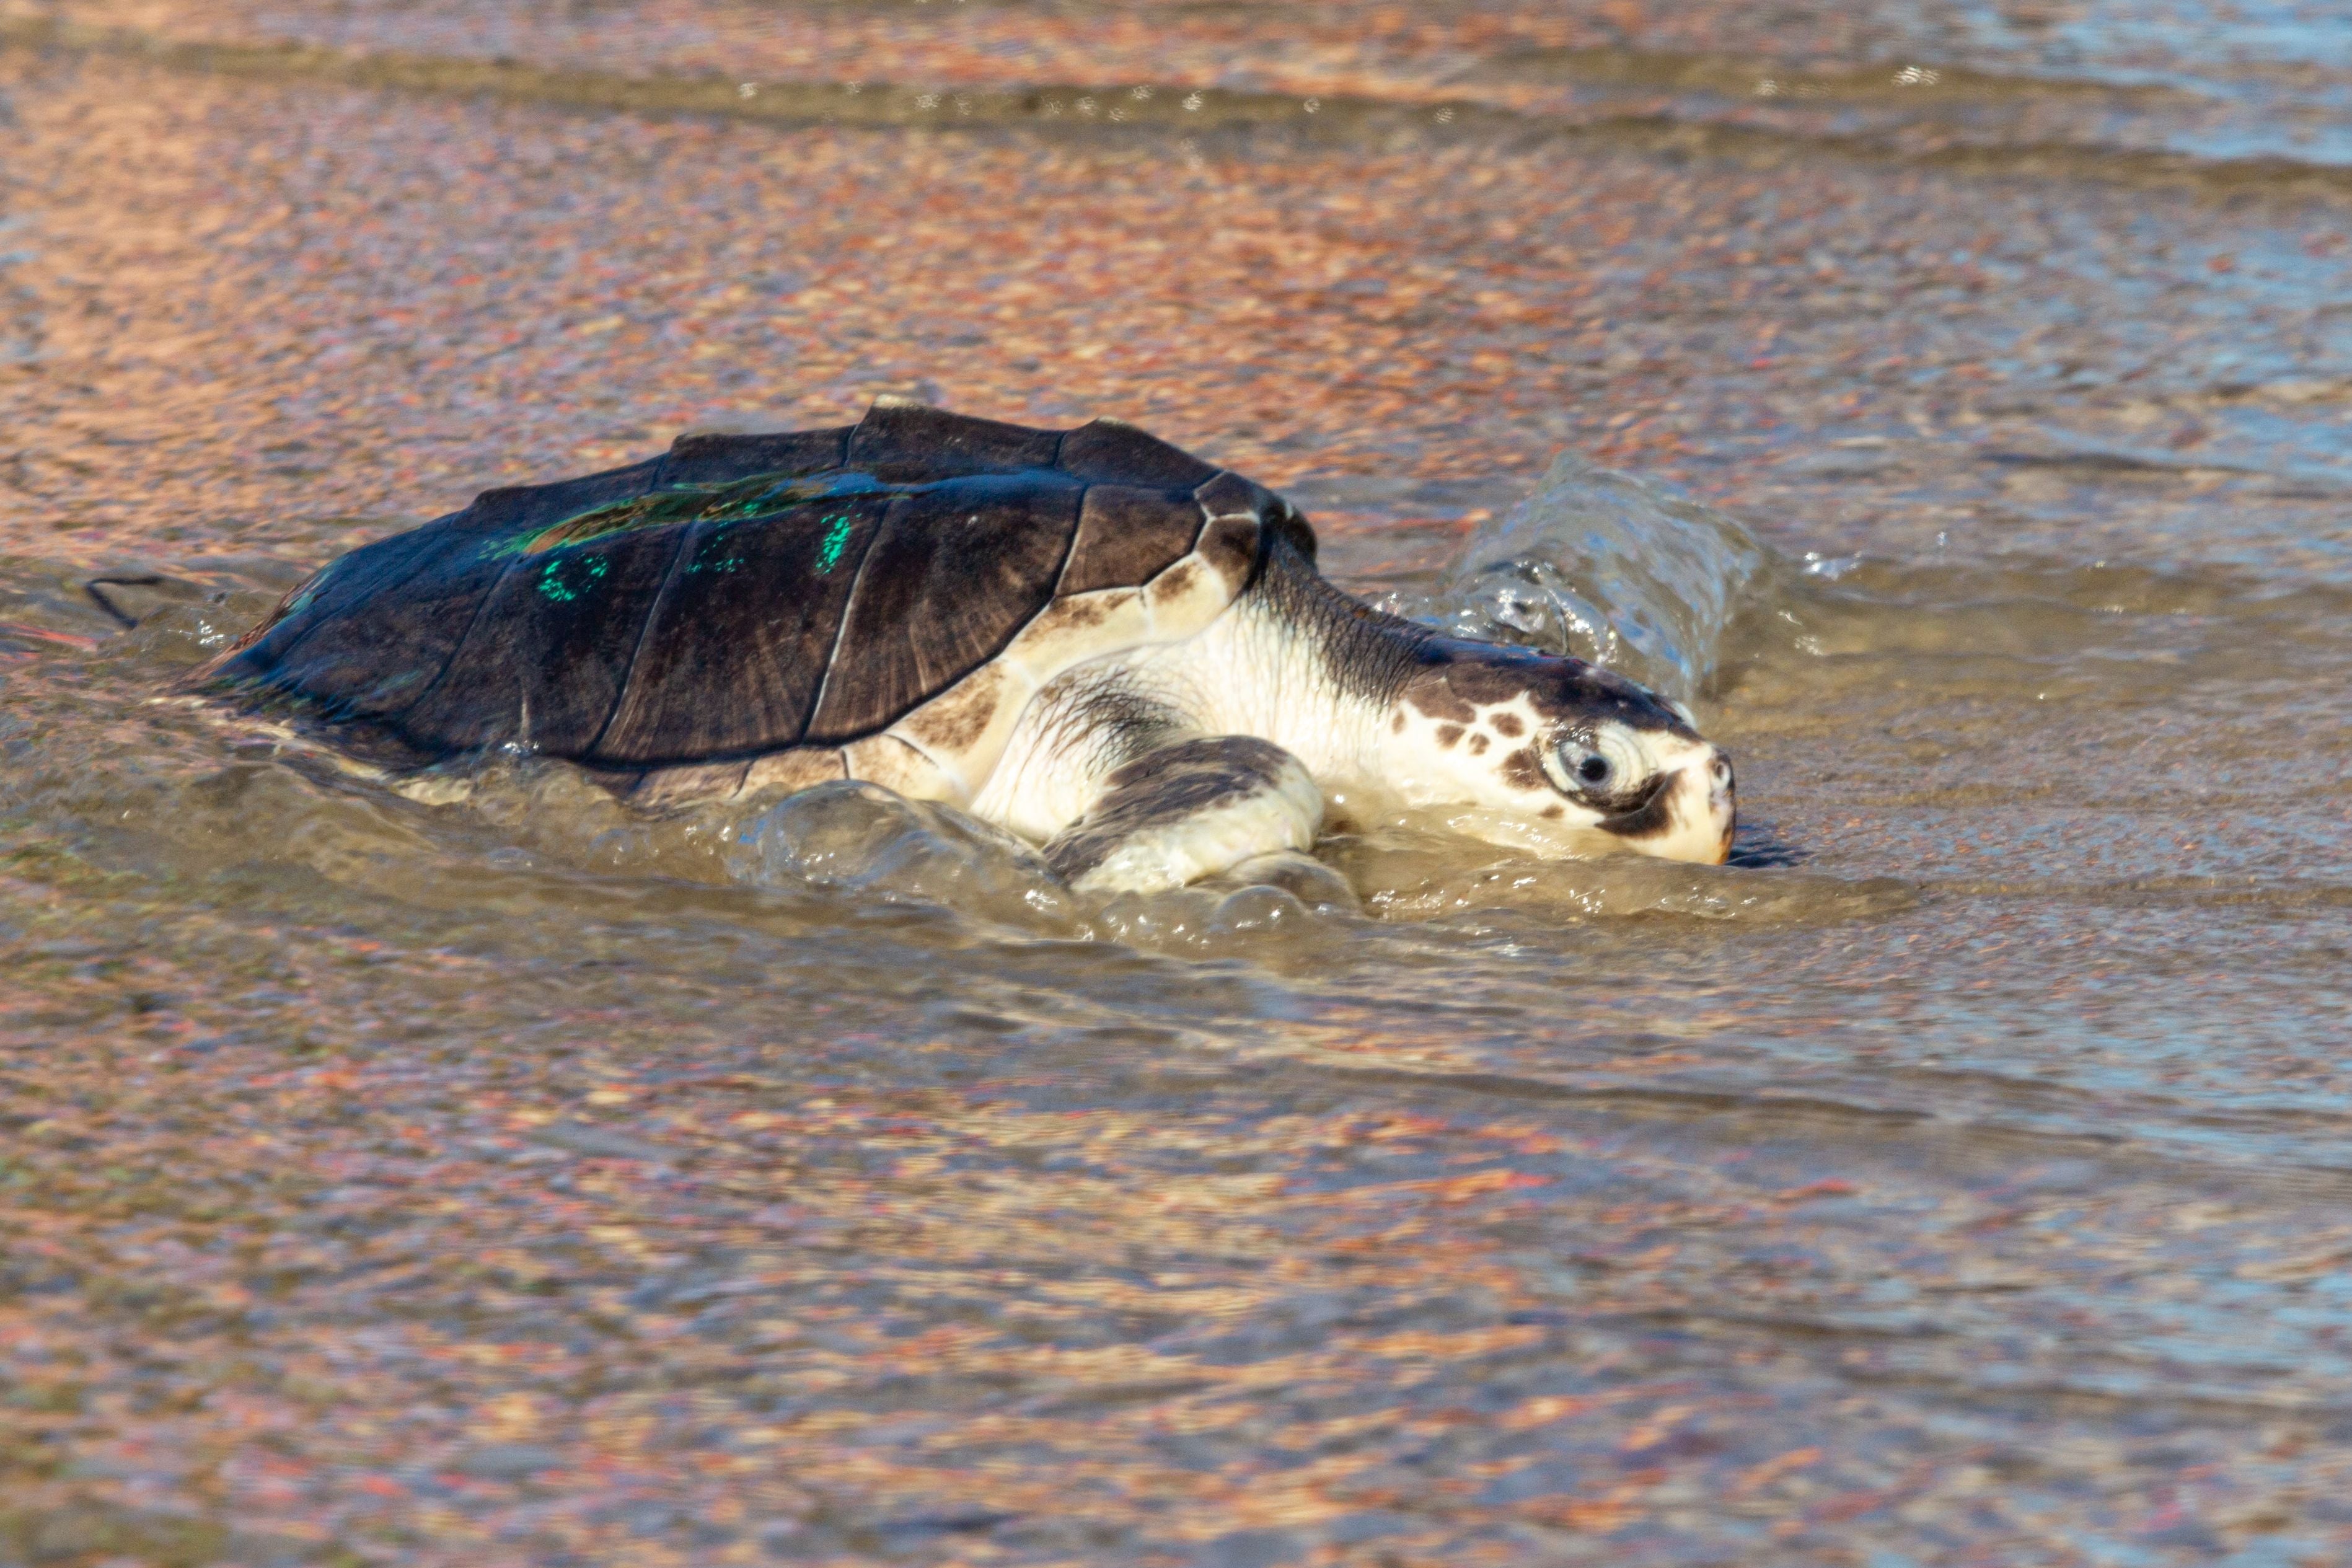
1587	766
1595	764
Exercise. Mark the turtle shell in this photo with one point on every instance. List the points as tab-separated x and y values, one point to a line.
877	600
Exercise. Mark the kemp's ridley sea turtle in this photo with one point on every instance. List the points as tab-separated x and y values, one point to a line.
1088	637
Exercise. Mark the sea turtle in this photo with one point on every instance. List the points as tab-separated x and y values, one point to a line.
1110	646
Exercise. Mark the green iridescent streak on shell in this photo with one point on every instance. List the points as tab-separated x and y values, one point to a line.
836	538
551	582
745	501
715	553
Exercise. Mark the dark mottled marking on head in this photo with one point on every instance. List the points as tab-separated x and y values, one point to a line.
1453	678
1126	536
1495	675
1553	810
913	442
1162	787
1449	735
1433	697
1521	770
1509	726
1111	451
1652	814
1397	723
1478	745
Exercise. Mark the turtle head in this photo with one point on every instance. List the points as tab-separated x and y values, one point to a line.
1534	735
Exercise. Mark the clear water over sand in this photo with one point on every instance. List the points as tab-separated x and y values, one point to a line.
1959	1177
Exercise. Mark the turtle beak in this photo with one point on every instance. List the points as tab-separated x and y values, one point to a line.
1688	812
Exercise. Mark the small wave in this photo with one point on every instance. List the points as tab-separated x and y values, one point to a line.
2116	132
1604	567
862	839
1620	570
879	849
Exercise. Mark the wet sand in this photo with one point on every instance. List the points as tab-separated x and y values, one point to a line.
1957	1179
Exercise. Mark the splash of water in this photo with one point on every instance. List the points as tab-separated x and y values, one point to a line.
863	839
1605	566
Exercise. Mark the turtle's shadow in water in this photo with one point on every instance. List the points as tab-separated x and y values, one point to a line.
1758	846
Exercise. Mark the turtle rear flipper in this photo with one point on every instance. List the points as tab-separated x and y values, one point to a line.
1187	810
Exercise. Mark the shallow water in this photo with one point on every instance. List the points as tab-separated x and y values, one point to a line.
485	1174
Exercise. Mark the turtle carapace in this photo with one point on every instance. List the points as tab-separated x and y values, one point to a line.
1093	638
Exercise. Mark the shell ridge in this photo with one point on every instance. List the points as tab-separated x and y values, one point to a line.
1069	548
849	443
832	655
520	495
1069	554
841	629
473	624
638	649
694	443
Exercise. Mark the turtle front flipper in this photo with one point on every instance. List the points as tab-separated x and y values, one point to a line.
1187	810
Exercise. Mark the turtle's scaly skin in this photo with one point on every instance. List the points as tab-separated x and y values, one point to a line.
877	600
